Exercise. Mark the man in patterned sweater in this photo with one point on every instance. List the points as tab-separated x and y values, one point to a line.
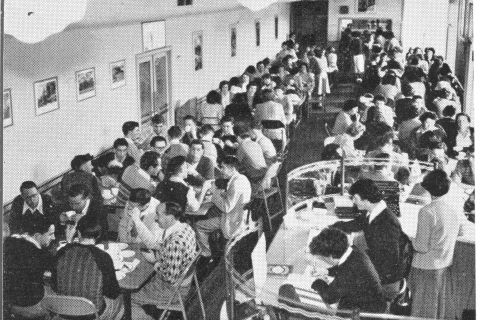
175	248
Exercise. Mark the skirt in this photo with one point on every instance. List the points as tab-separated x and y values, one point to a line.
359	63
428	292
323	84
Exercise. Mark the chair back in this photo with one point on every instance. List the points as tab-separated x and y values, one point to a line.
69	306
271	173
188	272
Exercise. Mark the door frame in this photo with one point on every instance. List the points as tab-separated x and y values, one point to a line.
149	55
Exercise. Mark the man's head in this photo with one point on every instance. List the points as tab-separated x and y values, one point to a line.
350	107
365	194
436	183
149	162
77	197
268	95
174	133
190	123
260	66
206	132
82	162
229	166
242	129
251	88
330	245
89	228
169	214
120	146
177	166
428	120
140	198
227	125
196	150
159	144
223	86
131	129
40	228
158	122
30	194
379	100
214	97
449	111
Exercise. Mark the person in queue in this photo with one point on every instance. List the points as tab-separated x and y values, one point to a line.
82	269
132	133
25	261
228	212
174	248
439	224
30	203
382	232
143	200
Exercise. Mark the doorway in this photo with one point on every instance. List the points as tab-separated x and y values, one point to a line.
310	22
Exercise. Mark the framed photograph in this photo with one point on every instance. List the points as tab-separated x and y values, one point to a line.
7	108
276	27
257	33
153	35
85	82
198	49
365	6
117	73
233	40
46	95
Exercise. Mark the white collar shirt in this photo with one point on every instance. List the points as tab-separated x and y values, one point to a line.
39	206
376	211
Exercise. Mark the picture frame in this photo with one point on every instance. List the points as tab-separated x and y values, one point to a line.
257	33
275	26
46	96
233	40
85	84
365	6
197	38
153	35
117	74
7	108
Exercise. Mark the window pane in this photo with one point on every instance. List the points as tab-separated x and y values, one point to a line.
144	76
161	95
257	32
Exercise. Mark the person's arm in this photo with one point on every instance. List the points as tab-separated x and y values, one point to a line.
227	200
421	243
330	293
125	225
110	286
151	238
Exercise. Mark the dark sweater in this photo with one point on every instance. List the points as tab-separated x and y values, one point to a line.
356	285
24	265
17	217
383	241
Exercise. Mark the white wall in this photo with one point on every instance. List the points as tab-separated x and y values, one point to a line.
40	147
384	9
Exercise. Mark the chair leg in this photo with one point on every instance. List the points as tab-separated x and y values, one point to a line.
199	296
265	200
184	313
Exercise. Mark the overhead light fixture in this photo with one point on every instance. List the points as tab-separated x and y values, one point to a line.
256	5
32	21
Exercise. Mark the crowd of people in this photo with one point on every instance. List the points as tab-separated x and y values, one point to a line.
162	177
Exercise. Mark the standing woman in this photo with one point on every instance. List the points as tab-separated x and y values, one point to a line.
224	90
323	84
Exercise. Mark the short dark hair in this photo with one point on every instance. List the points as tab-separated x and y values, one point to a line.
436	183
330	242
231	161
214	97
227	119
250	69
120	142
268	95
189	117
380	97
129	126
222	83
78	189
205	130
174	132
36	224
157	119
266	61
79	160
174	209
175	164
449	111
349	105
149	159
389	79
28	185
157	139
367	190
428	115
89	227
242	129
234	81
140	196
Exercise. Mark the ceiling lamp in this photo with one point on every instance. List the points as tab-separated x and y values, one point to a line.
34	20
256	5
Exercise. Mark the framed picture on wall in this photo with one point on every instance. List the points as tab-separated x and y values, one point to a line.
85	84
365	6
117	73
257	33
233	40
153	35
46	95
198	49
275	22
7	108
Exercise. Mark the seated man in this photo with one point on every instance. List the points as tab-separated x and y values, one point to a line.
200	168
80	202
225	137
382	232
205	134
174	248
30	203
82	173
250	154
272	115
136	176
356	283
132	133
143	200
83	270
268	149
228	212
25	262
158	129
176	147
119	158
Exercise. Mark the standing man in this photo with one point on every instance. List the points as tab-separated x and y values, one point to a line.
131	131
159	128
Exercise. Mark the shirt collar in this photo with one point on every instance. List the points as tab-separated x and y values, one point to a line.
177	226
27	238
345	256
376	211
179	180
39	207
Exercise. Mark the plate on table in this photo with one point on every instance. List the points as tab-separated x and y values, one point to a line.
117	246
279	269
127	253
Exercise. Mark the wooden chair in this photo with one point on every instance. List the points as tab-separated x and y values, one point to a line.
69	306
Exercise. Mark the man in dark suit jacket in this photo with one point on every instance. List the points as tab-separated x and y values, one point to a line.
30	203
382	232
82	173
80	202
201	168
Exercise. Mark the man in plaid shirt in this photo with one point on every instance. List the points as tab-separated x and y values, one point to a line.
174	248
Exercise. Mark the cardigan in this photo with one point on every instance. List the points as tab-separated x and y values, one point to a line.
16	216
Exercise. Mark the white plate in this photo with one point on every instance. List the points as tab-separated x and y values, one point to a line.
117	246
127	253
100	246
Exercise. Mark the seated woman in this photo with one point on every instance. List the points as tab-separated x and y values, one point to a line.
175	189
428	120
211	112
389	87
304	79
463	139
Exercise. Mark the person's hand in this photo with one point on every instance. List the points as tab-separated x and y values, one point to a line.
70	231
134	213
